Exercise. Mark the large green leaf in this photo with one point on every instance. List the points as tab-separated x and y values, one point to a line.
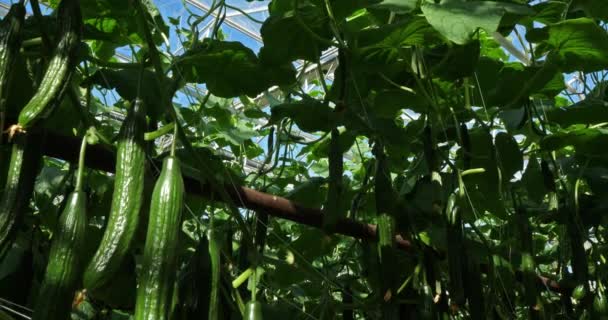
126	83
295	34
452	62
586	141
506	84
385	44
310	115
459	20
230	69
114	24
549	12
597	9
588	111
574	45
387	103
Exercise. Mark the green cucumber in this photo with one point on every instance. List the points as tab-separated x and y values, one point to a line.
126	201
64	269
10	43
23	167
60	68
215	257
253	311
474	288
159	262
334	210
455	245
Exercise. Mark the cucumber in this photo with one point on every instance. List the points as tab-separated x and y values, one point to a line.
60	68
474	288
455	246
334	210
64	268
253	311
215	259
126	201
23	167
159	262
10	43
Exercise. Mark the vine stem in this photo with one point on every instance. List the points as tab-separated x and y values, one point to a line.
254	284
80	174
174	142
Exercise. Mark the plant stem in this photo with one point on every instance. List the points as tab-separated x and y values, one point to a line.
149	136
174	142
80	173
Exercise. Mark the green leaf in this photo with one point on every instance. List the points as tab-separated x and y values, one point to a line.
236	135
386	43
321	149
310	115
125	82
230	69
458	20
452	62
397	6
507	84
114	24
549	12
597	9
586	141
588	111
574	45
312	192
294	34
387	103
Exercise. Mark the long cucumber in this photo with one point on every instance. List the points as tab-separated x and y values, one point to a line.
157	279
64	269
10	43
24	164
126	201
60	68
214	255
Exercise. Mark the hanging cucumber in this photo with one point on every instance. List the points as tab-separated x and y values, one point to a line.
253	311
126	201
159	263
60	68
474	287
64	268
10	43
23	167
455	252
214	255
334	211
